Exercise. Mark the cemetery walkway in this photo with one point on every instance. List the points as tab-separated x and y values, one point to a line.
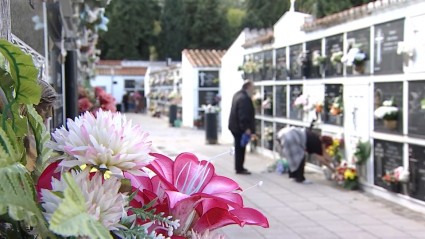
317	211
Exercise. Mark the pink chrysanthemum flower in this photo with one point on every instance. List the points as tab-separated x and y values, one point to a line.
107	141
103	200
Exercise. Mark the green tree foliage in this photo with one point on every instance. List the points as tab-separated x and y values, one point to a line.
264	13
133	28
173	23
209	29
322	8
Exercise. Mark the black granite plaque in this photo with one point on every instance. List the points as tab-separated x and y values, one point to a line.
331	92
58	109
258	131
315	70
281	101
207	97
384	91
259	59
387	157
294	92
208	79
416	124
360	37
416	185
268	72
268	94
281	70
294	63
334	44
387	36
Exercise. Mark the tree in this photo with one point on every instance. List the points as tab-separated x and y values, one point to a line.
132	30
173	34
264	13
209	27
322	8
234	20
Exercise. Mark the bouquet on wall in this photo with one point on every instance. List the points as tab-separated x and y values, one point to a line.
388	112
337	57
318	59
406	50
302	103
346	175
174	97
267	104
268	133
398	175
363	151
337	107
355	57
319	106
249	67
211	108
89	100
335	149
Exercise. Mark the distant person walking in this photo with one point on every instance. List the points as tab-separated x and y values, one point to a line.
242	123
125	100
294	143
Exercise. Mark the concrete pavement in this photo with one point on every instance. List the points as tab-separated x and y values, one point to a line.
320	210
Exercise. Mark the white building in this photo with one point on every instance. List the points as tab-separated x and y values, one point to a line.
201	82
117	77
288	57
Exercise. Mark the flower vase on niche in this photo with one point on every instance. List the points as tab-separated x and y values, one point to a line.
407	51
355	57
388	112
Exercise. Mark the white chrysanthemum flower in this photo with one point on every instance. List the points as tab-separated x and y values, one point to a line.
382	111
206	235
106	141
103	200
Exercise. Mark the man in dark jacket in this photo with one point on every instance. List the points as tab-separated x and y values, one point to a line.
242	121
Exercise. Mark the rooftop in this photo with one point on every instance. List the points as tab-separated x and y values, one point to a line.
350	14
204	58
258	36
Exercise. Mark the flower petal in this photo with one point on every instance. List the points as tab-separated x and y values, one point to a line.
162	165
220	184
250	216
45	179
214	219
139	182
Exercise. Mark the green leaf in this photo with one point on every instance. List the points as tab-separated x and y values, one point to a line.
18	198
23	72
71	217
19	122
9	153
6	83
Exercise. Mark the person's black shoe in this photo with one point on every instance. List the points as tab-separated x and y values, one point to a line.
244	172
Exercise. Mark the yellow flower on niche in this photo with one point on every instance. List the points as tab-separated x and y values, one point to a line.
350	174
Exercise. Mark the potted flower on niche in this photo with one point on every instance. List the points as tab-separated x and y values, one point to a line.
355	57
388	112
336	61
268	136
395	178
319	61
249	68
337	108
407	51
319	108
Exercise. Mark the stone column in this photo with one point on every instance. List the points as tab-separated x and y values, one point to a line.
5	32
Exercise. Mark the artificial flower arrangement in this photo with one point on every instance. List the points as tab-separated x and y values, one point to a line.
406	50
256	99
208	109
363	151
318	59
216	81
337	57
267	104
337	106
319	106
388	112
268	133
335	150
423	104
398	175
249	67
97	187
355	57
89	100
174	98
346	175
302	103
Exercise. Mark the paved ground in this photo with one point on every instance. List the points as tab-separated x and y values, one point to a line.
320	210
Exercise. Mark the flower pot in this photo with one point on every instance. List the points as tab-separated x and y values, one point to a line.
390	124
360	68
395	187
